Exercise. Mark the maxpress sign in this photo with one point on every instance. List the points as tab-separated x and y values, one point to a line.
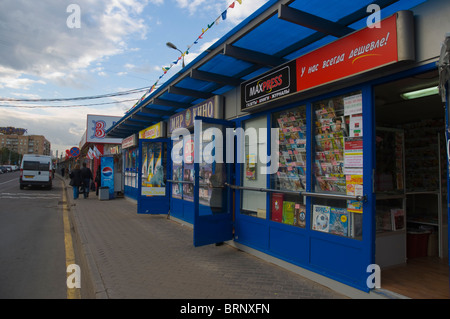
277	83
212	108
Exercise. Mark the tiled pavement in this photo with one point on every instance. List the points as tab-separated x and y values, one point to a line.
124	255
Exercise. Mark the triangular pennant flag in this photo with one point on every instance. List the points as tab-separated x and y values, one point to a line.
224	15
217	20
210	25
231	5
240	1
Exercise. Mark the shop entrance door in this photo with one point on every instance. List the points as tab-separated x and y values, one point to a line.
154	168
213	218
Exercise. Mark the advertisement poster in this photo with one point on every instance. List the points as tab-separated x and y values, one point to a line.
107	174
153	172
353	153
354	185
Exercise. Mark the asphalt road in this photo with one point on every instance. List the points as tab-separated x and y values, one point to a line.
32	251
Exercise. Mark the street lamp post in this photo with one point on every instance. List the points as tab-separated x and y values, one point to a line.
173	46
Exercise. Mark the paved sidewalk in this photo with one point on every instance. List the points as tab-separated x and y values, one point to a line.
125	255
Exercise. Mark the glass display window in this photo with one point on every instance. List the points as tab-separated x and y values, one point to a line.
131	167
177	174
338	165
285	207
188	168
254	202
212	175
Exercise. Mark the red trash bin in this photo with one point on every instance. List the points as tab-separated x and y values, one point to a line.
417	243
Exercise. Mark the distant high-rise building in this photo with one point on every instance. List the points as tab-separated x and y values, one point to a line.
26	144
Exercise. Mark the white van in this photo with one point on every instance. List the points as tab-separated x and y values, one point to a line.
36	170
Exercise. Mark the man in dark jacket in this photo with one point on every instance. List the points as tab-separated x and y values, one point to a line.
86	176
75	180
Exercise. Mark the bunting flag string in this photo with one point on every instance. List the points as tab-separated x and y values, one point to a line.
222	16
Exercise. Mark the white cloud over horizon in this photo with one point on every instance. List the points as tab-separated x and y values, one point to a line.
120	43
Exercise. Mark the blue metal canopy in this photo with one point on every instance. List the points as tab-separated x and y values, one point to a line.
280	31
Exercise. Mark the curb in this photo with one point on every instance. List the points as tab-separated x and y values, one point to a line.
91	279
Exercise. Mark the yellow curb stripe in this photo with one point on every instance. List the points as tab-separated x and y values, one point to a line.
72	293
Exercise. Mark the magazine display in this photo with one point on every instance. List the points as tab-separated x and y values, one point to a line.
338	163
291	173
329	148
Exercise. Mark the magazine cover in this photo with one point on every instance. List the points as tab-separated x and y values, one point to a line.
277	207
288	212
321	218
300	215
339	221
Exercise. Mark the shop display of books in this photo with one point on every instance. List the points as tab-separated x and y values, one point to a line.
422	155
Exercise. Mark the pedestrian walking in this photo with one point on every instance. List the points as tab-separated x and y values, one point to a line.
86	176
98	180
75	181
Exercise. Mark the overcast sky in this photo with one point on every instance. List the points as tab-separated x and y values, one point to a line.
120	45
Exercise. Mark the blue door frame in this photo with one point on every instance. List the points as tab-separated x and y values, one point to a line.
155	204
212	225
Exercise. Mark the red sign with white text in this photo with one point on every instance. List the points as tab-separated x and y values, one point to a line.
361	51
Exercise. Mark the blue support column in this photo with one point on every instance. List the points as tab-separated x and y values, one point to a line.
369	156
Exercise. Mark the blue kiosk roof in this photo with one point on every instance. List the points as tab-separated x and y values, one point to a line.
276	33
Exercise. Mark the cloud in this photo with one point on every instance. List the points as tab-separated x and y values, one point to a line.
234	15
35	40
241	12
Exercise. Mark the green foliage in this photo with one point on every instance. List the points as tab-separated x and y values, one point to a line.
6	156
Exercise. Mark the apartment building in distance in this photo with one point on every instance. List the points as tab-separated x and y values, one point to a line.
24	144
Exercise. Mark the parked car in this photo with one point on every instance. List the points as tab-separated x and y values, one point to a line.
3	169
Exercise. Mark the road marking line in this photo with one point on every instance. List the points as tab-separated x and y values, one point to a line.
72	293
11	180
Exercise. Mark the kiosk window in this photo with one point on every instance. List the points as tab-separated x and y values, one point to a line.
291	175
255	143
338	165
154	162
177	172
